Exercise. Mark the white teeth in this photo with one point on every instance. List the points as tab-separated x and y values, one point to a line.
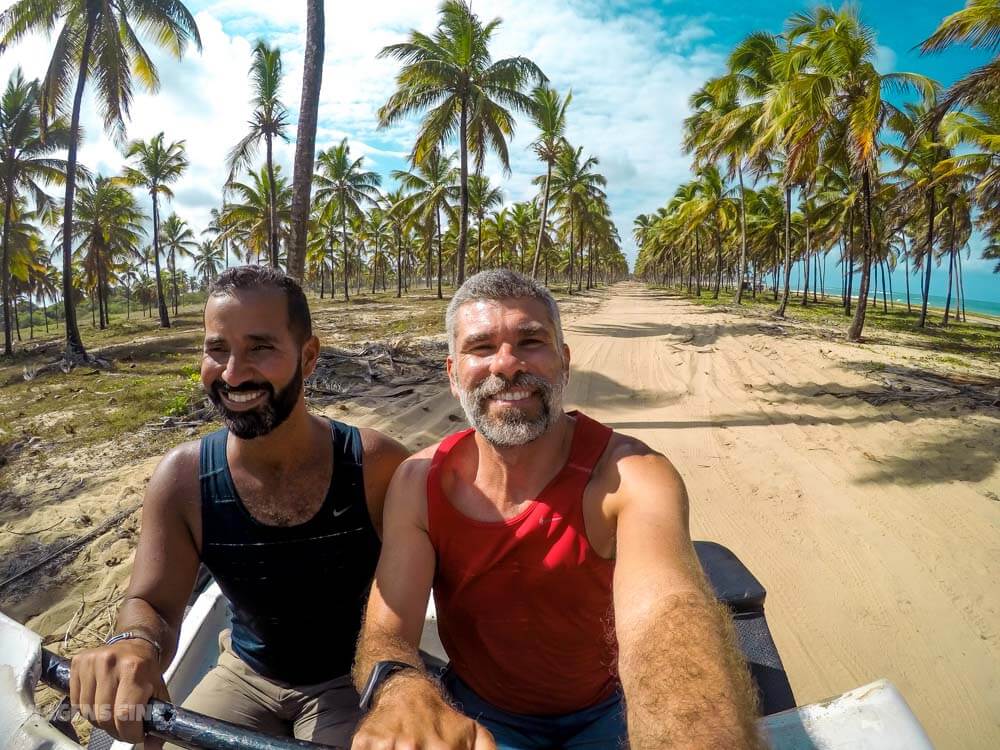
242	398
512	396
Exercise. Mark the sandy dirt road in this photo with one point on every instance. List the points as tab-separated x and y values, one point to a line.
875	529
872	528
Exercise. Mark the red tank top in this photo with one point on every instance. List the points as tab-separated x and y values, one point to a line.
524	605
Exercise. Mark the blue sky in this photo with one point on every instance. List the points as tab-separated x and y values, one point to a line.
631	66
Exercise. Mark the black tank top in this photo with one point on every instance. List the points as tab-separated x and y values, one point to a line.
297	593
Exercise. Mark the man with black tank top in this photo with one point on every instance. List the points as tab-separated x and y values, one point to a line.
569	598
283	507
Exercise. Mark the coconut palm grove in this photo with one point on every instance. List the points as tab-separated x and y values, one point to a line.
803	155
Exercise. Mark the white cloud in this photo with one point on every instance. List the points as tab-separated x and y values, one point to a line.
885	59
631	75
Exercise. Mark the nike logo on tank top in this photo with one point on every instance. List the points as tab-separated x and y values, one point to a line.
297	593
524	605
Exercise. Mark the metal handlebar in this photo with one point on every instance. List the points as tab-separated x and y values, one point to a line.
186	728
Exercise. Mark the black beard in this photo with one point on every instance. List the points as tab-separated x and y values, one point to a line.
261	420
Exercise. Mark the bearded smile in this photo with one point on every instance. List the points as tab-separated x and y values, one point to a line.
242	400
513	398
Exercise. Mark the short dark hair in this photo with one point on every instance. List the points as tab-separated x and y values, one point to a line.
239	278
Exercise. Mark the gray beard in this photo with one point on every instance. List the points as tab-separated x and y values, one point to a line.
512	427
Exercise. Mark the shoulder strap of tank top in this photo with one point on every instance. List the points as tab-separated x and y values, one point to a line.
436	501
348	484
590	439
215	481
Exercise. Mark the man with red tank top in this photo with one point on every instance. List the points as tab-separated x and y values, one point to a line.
569	598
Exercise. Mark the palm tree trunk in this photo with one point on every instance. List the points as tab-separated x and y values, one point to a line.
697	264
571	247
743	239
160	299
343	236
788	253
17	320
815	275
805	282
173	277
463	198
75	351
272	208
45	314
951	261
850	264
541	226
99	288
858	324
590	266
718	264
906	261
8	344
928	256
479	245
399	266
31	319
951	279
883	267
438	213
305	139
892	302
961	286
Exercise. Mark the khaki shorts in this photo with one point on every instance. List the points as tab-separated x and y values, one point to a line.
326	713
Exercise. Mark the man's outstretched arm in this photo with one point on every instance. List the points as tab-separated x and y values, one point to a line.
410	709
686	684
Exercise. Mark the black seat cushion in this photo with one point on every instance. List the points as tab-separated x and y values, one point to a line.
732	582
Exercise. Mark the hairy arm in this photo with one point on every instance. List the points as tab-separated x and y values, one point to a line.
409	709
110	683
686	684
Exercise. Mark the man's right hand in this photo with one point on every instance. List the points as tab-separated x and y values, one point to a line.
410	713
111	685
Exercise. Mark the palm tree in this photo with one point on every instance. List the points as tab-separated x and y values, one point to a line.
25	165
394	203
920	159
343	180
574	185
47	287
431	189
108	225
24	253
305	139
268	121
176	238
722	128
96	38
977	24
218	232
154	166
549	115
715	208
841	63
482	198
452	74
247	218
207	261
525	217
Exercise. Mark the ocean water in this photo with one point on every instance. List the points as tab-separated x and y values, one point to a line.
983	307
